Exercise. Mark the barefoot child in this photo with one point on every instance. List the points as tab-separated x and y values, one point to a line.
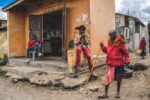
116	52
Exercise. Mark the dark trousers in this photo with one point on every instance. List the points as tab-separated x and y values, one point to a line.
143	53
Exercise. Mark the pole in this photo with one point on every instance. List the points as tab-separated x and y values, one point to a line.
89	76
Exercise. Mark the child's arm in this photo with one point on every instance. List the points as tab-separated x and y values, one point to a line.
126	54
103	48
30	43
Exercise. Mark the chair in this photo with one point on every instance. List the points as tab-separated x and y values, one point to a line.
33	53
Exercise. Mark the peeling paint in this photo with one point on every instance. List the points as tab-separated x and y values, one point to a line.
83	19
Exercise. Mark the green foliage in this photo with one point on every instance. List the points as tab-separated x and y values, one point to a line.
4	60
2	73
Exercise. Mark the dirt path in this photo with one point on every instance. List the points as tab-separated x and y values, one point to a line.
25	91
135	88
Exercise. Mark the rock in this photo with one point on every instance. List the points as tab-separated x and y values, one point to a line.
25	71
139	67
93	77
42	79
46	79
14	76
72	83
94	86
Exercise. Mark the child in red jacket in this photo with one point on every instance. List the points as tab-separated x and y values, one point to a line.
34	44
116	53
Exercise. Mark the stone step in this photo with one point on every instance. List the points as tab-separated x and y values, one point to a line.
49	65
43	77
25	72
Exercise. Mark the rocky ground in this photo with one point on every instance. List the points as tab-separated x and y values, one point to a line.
135	88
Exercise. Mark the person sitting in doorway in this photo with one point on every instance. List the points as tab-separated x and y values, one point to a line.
81	41
33	44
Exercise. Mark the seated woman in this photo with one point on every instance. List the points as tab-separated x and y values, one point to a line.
33	44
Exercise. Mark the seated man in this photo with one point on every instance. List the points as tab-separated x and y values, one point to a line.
82	43
34	44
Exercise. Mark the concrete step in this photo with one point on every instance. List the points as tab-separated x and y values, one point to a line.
46	64
26	71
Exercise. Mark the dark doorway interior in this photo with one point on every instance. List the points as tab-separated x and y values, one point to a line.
53	34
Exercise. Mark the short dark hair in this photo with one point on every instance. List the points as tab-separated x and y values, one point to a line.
81	27
112	32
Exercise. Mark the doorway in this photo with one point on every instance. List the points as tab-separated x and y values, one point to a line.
53	34
49	28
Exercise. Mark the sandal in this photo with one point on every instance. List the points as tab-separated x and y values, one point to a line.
102	97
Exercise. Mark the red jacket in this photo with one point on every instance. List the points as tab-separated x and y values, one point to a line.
143	43
32	43
117	52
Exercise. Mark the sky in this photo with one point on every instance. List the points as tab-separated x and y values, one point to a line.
137	8
4	3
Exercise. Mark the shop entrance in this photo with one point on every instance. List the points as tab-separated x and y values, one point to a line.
50	28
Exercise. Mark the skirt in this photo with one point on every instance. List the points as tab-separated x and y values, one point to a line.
112	73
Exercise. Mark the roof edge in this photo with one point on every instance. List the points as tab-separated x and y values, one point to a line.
12	5
132	17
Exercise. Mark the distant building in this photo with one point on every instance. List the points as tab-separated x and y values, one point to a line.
3	23
132	29
3	37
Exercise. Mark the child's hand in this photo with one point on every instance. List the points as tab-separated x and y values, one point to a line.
101	44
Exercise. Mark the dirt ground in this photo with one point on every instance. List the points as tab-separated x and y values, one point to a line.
135	88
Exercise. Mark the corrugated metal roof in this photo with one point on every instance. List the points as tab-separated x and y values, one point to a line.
137	19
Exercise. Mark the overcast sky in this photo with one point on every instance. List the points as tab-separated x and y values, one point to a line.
137	8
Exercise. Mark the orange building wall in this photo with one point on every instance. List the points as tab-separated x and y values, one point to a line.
16	33
102	18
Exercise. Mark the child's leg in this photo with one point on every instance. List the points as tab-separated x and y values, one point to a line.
105	95
119	81
28	55
88	56
78	50
106	89
27	51
38	48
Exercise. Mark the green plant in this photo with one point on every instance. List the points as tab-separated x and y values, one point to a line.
4	60
2	73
